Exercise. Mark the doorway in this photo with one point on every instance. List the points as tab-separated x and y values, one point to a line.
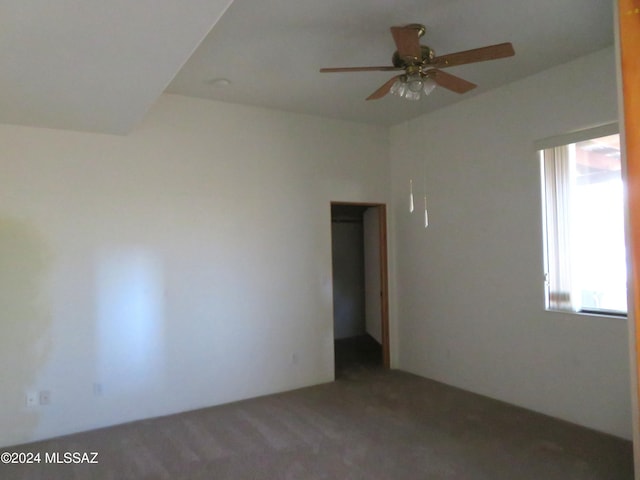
360	297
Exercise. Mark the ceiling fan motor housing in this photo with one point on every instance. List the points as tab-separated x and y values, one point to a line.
426	53
422	69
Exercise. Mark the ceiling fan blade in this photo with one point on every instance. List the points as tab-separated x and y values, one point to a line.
407	40
450	82
384	89
481	54
359	69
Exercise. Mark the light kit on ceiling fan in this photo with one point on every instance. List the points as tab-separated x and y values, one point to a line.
413	87
422	67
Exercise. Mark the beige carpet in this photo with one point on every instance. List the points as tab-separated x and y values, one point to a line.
370	424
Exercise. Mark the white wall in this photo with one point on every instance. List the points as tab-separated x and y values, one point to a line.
185	265
216	218
469	289
372	280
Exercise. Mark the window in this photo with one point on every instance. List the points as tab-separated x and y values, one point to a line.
582	191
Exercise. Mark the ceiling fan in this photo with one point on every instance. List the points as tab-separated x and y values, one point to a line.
422	67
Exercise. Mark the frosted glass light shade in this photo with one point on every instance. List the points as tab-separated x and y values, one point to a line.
412	87
414	83
399	88
428	85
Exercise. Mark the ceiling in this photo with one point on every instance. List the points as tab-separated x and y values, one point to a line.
99	66
271	51
94	65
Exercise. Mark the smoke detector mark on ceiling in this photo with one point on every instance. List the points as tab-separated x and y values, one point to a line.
219	82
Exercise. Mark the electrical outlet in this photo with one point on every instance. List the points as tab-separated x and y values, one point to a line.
45	397
31	399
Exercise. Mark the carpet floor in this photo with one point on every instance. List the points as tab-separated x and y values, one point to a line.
356	352
369	424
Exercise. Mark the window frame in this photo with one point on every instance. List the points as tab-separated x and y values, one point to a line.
563	140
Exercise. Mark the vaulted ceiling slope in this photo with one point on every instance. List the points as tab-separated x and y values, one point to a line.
272	51
99	65
94	65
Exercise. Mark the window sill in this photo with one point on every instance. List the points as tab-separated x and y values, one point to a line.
590	313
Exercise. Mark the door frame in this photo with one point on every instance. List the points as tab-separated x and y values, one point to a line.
627	21
384	275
